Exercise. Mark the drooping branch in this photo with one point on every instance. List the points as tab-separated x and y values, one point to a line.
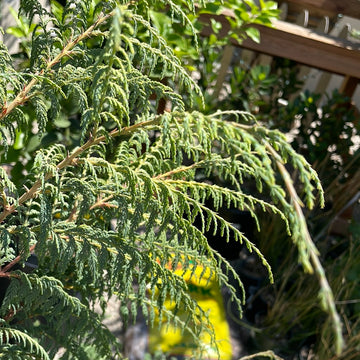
326	295
71	160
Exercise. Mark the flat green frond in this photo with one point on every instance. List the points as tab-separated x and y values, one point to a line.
46	161
7	253
8	189
12	339
33	8
152	57
47	297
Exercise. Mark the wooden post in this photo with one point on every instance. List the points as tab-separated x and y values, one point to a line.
224	66
349	85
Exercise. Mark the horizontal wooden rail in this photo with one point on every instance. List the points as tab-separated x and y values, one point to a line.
299	44
329	7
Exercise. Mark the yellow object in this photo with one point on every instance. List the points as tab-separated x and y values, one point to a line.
203	288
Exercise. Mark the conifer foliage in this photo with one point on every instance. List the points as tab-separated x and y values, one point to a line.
110	208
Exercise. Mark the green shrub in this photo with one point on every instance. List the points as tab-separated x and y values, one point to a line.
103	190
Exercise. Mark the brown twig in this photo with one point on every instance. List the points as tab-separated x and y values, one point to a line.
11	264
178	170
22	97
103	202
71	160
9	315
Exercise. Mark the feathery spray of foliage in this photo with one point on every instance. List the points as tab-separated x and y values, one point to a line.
109	207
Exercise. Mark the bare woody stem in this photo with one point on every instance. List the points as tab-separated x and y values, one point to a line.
103	202
11	264
178	170
22	97
184	169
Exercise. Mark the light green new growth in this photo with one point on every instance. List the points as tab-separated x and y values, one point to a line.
107	213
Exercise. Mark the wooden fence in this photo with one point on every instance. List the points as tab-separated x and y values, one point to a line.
313	33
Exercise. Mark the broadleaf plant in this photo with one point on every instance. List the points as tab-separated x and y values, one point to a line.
104	189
